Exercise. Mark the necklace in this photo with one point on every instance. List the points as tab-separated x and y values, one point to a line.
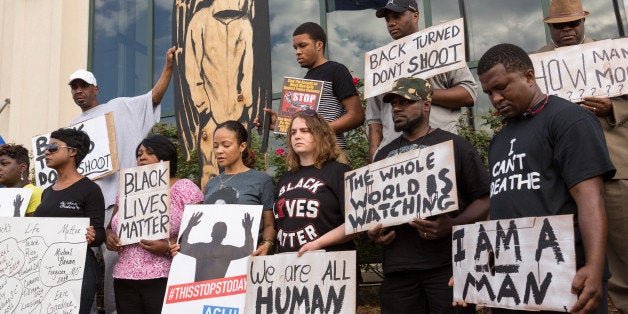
222	183
429	128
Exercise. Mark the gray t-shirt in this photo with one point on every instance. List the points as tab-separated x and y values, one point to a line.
377	111
251	187
133	117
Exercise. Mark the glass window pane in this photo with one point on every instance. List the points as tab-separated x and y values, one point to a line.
482	104
444	11
121	48
285	16
162	33
601	24
504	21
351	34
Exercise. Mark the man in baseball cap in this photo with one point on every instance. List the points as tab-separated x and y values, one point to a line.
417	255
397	6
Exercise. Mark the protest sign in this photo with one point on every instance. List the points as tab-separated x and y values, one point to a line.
42	262
317	282
208	275
598	69
14	201
144	204
525	264
101	160
298	94
432	51
393	191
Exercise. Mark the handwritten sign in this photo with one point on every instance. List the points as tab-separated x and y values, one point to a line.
101	160
14	201
417	183
298	94
208	275
597	69
432	51
526	263
42	264
317	282
144	205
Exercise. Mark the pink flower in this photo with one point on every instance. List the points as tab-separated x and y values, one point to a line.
280	152
356	81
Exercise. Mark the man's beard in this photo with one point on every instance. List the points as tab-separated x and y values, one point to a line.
409	125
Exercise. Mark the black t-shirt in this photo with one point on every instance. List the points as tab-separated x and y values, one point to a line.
338	86
409	251
309	203
81	199
535	160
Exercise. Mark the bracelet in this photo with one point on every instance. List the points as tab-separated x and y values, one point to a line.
271	242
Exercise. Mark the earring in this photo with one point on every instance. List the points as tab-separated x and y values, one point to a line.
23	177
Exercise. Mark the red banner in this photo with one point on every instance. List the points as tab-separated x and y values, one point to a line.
206	289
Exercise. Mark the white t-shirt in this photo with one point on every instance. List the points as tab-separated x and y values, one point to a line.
133	117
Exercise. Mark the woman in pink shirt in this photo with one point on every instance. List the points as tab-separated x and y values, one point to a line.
141	272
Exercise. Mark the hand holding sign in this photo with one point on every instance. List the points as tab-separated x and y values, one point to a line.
379	235
600	107
90	235
587	284
112	241
433	229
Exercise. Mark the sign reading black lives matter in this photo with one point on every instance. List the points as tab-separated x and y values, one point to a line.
432	51
317	282
526	263
101	160
42	262
144	204
393	191
598	69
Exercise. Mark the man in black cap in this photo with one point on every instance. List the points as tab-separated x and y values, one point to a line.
417	255
452	90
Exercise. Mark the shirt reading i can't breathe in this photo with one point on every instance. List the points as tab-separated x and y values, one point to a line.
310	203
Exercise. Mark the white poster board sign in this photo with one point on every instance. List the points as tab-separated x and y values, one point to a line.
317	282
434	50
101	160
418	183
208	275
525	264
14	201
144	204
42	262
595	69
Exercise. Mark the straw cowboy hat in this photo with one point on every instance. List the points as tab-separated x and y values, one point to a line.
561	11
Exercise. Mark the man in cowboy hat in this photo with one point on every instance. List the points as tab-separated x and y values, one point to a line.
566	24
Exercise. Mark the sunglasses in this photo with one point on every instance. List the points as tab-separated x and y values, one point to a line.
54	147
571	24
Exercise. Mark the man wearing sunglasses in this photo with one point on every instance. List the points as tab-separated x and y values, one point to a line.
566	24
133	118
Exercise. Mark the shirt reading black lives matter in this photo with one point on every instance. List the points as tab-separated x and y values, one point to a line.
409	251
534	162
81	199
309	203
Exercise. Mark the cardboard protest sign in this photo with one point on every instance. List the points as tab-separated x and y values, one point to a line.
595	69
434	50
144	203
525	264
209	272
101	160
298	94
317	282
417	183
14	201
42	260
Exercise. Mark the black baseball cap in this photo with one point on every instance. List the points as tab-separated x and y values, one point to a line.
397	6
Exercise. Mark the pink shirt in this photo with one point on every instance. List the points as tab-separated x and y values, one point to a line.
136	263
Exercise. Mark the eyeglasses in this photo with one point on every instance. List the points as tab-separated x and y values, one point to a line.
54	147
571	24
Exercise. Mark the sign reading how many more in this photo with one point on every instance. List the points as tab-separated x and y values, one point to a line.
144	204
316	282
598	69
42	260
393	191
426	53
101	160
525	264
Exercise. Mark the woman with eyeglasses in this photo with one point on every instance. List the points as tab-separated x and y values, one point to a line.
309	206
239	183
141	272
74	195
14	165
